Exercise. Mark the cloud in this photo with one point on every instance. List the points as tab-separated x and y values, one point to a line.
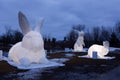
60	15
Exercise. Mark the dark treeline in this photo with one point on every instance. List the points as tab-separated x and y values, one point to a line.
9	38
93	35
96	35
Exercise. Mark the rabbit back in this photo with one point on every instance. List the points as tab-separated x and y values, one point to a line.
16	52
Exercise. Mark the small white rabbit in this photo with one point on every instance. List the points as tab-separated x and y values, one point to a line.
78	46
101	50
31	48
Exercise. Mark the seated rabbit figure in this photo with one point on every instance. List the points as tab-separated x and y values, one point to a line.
78	46
31	48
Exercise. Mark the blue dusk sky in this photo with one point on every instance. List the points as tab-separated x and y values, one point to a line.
59	15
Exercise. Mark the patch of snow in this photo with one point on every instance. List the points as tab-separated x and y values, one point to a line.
113	49
69	55
68	50
33	65
84	50
55	51
59	60
25	61
86	56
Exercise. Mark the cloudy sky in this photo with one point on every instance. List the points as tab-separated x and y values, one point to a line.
60	15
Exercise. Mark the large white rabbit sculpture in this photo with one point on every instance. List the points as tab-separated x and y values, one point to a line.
101	50
78	46
31	48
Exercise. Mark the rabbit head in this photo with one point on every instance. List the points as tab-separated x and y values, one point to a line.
106	44
81	33
32	39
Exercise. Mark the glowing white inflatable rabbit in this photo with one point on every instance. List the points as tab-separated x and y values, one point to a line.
101	50
31	48
78	46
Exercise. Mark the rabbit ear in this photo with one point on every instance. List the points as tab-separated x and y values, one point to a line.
23	22
39	25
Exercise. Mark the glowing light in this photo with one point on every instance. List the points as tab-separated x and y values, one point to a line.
100	50
31	48
78	46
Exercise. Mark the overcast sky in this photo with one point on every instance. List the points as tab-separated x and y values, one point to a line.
60	15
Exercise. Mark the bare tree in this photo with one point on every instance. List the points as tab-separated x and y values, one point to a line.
96	34
117	30
79	27
88	38
104	34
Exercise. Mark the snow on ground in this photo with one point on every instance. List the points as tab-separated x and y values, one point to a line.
86	56
59	60
32	66
68	50
113	48
69	55
84	50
